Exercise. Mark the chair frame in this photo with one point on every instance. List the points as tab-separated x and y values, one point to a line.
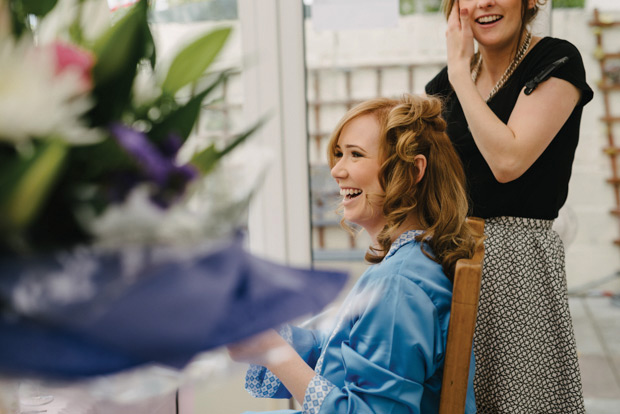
465	296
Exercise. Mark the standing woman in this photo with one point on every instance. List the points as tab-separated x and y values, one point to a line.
513	111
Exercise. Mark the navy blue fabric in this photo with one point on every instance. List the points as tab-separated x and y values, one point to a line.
173	306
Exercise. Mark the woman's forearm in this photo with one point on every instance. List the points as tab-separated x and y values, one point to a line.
294	373
495	140
511	148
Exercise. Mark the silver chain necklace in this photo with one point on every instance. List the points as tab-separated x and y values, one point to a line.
509	70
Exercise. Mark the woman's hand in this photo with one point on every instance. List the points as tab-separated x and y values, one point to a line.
267	348
271	351
459	42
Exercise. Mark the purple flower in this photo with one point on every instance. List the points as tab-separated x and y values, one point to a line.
171	145
138	146
156	163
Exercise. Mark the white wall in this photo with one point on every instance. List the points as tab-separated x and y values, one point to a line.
592	255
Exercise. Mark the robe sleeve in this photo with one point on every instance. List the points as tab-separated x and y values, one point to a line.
262	383
396	344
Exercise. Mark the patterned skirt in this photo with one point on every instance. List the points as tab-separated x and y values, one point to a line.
526	358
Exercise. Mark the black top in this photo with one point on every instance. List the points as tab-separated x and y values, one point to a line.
542	189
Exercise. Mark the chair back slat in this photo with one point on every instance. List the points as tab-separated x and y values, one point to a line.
465	296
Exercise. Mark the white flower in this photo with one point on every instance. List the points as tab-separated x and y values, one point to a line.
145	89
37	102
95	18
215	206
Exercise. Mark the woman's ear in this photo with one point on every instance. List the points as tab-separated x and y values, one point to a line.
420	164
531	4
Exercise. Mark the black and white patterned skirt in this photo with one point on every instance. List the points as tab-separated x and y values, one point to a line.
526	358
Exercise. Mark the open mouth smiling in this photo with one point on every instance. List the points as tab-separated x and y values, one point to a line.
489	19
350	193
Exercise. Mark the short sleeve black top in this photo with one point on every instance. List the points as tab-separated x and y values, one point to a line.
543	188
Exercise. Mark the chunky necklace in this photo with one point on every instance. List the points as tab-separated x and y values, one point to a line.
509	70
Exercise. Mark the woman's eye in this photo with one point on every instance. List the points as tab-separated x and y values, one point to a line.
356	154
338	154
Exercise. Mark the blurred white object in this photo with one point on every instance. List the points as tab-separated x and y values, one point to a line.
566	225
603	5
354	14
32	395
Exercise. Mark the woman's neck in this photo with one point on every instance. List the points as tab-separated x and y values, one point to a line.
495	61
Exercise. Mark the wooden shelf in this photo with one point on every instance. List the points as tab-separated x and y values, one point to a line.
604	23
607	84
601	55
609	87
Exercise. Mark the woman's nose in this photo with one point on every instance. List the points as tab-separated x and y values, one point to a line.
485	3
338	170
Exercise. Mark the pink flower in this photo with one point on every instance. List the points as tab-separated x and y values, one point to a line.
74	58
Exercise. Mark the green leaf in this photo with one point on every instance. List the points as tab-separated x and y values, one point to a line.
38	7
26	185
194	59
118	52
207	159
182	120
122	45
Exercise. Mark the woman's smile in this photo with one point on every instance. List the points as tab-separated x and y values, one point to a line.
489	19
350	194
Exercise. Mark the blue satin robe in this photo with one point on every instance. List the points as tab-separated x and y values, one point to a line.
386	352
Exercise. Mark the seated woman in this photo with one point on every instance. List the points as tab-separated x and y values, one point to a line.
402	181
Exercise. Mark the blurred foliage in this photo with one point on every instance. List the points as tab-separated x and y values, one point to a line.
418	6
558	4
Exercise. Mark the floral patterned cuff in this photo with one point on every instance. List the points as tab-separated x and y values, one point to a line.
317	390
259	381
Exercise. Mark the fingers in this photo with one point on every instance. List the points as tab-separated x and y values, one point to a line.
465	23
453	18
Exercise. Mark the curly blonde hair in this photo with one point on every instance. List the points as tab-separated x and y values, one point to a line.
411	126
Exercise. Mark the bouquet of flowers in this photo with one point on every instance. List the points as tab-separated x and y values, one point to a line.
89	126
107	194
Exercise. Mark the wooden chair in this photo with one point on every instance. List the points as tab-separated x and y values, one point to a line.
465	295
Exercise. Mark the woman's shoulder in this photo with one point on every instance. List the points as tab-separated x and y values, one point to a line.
440	84
411	268
550	49
549	43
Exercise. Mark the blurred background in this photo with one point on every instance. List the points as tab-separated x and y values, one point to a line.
306	62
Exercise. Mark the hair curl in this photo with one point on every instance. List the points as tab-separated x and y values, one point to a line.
412	126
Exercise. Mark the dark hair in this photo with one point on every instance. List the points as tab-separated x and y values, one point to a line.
411	126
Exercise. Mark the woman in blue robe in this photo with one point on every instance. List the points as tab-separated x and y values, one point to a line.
402	181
